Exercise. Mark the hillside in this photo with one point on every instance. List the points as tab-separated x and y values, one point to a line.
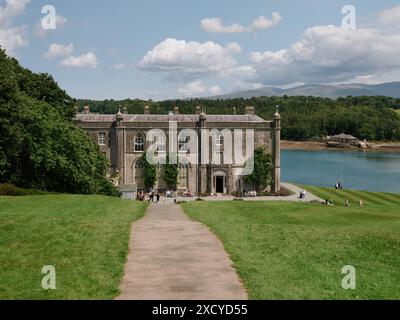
391	89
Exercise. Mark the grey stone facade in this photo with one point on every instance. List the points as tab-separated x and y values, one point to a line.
122	139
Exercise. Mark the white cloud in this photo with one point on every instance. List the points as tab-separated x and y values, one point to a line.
198	88
119	66
42	33
242	72
215	90
12	9
88	60
12	38
333	54
263	23
58	50
190	59
216	25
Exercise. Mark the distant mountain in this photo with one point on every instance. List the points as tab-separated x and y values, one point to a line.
390	89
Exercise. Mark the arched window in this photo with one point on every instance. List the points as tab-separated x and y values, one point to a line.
139	143
138	172
182	144
220	140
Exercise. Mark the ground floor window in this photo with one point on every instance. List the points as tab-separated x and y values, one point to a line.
183	176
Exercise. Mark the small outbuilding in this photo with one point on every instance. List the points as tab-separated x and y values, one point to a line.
344	139
128	192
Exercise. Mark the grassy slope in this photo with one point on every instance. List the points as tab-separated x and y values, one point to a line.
84	237
285	250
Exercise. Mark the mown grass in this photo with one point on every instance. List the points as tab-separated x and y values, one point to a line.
290	250
84	237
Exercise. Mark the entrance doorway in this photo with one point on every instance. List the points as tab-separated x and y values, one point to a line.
219	184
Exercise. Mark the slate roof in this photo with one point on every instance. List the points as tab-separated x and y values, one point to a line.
166	118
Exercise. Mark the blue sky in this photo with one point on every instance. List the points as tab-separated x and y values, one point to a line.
119	35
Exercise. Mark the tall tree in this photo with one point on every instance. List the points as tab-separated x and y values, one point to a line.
40	146
149	172
261	176
171	173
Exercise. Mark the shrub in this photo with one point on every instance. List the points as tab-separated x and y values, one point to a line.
8	189
108	189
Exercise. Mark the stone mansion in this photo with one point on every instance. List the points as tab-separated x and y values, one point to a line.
122	139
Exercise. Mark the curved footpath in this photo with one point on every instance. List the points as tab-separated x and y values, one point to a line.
173	257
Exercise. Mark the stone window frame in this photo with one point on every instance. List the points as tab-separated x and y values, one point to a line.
220	140
184	173
182	144
102	138
138	143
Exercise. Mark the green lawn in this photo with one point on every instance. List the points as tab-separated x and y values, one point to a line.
84	237
285	250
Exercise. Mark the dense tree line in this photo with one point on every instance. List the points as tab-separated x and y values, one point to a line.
40	146
371	118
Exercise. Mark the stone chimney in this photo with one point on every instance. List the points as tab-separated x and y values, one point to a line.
234	111
86	110
198	110
176	110
146	110
250	110
125	110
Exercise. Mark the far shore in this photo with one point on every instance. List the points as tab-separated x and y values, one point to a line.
317	145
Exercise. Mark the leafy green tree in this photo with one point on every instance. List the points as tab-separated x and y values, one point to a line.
40	145
262	173
149	172
171	173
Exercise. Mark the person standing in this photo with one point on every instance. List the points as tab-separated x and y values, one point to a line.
158	197
151	197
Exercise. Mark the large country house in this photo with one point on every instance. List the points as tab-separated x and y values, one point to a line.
122	139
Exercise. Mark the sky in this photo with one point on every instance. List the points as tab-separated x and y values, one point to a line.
158	49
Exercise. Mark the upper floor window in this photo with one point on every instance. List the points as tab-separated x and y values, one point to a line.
182	144
218	158
161	144
139	143
220	140
101	138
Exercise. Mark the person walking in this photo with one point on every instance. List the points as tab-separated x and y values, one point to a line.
158	197
151	197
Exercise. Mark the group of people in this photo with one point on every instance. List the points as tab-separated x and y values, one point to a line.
154	197
251	194
338	186
346	203
302	194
